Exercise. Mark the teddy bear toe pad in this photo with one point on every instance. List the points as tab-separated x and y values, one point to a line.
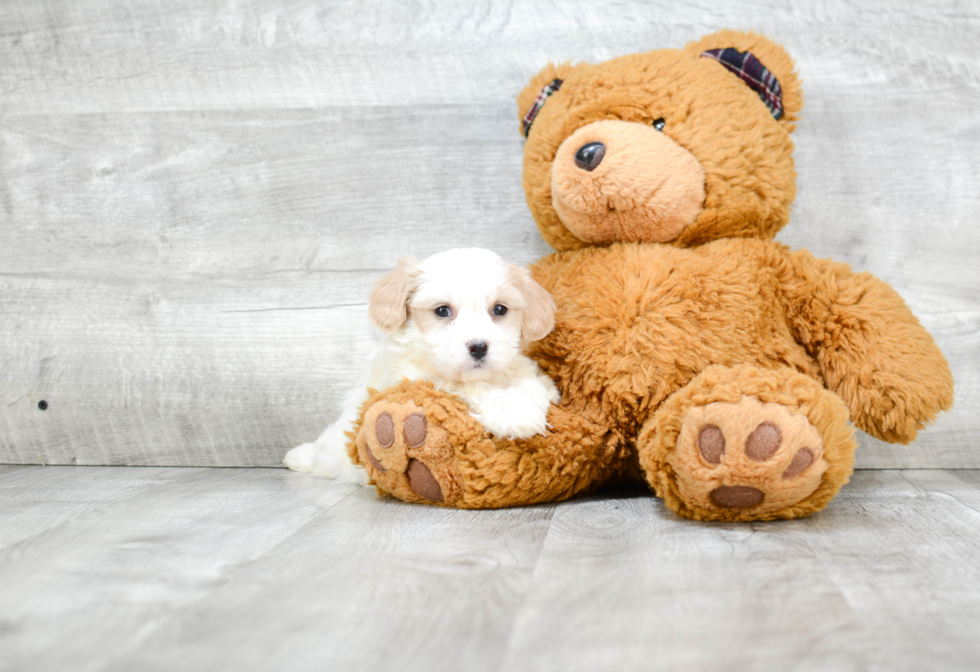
751	456
422	482
405	456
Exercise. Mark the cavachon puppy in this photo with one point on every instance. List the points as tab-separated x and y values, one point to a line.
460	319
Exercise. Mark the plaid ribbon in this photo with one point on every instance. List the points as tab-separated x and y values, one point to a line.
750	70
546	91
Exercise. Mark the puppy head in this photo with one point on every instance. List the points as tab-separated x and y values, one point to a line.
466	311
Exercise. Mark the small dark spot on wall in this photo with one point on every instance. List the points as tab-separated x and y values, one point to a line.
43	405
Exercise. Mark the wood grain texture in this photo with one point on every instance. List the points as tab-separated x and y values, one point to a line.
195	197
108	554
127	568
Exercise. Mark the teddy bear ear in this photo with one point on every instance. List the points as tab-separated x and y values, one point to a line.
762	64
539	89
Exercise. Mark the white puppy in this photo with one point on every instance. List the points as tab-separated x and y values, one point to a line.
460	319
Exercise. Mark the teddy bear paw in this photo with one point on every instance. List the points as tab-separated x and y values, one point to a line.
406	455
748	458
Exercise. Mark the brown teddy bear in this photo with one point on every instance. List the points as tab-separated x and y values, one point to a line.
689	348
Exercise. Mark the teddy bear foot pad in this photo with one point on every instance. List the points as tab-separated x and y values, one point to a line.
405	456
747	456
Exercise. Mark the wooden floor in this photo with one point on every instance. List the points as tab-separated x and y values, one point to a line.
142	568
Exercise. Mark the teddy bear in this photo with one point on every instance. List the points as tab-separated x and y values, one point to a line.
690	349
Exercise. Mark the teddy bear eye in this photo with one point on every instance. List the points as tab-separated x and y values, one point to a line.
659	124
499	310
444	311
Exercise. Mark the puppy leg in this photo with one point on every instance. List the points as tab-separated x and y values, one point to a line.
327	456
516	412
332	460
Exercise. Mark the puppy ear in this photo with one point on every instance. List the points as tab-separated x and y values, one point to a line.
388	306
539	309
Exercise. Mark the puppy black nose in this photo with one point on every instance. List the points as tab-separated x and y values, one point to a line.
588	157
478	349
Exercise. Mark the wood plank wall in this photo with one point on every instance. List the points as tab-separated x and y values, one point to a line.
195	196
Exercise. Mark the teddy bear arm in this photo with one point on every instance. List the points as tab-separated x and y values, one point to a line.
420	444
871	349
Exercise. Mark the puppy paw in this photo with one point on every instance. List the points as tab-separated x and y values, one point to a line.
406	455
747	457
301	458
332	461
326	459
514	413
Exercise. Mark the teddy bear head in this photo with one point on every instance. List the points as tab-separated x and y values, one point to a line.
668	146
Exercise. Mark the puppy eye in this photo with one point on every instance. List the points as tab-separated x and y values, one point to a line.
499	310
444	311
659	124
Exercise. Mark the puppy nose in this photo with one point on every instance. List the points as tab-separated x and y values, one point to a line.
589	156
478	349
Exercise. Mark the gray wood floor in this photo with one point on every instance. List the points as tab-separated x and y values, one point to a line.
196	195
141	568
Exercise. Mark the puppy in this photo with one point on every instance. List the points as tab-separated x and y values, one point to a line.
460	319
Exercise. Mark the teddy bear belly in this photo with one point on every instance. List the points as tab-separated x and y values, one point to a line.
636	322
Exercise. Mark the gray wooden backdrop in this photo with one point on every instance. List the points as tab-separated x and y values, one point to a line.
196	196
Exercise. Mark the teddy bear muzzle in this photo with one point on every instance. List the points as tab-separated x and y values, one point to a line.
618	180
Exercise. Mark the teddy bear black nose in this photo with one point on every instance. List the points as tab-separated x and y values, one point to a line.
589	156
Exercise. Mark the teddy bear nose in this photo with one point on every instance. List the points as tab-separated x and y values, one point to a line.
589	156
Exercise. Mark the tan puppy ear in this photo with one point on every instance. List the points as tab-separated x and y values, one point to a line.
774	58
539	307
388	306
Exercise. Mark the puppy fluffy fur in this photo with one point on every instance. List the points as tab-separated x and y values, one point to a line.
460	319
